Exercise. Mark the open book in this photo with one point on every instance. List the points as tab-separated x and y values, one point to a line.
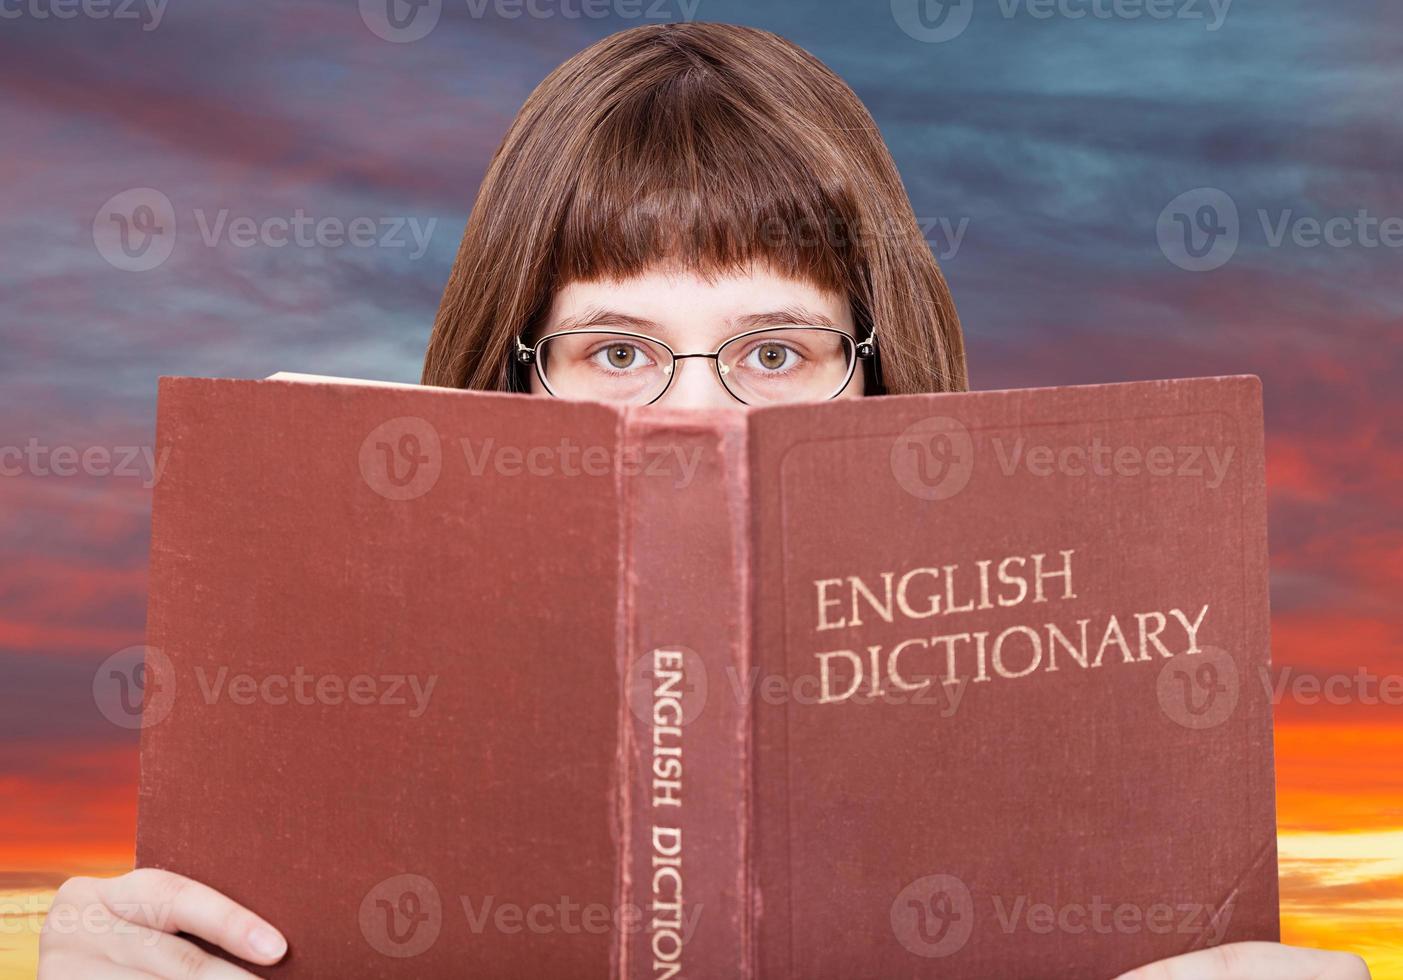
456	684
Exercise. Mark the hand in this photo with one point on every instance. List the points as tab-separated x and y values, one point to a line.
1255	961
123	929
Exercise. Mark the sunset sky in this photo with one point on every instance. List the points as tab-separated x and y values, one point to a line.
1044	152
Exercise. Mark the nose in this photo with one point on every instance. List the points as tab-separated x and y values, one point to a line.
696	385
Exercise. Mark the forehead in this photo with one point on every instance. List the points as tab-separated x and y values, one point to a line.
690	308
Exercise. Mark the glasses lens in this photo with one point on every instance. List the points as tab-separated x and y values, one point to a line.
787	364
603	366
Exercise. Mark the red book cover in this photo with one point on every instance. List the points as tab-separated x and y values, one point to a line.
447	683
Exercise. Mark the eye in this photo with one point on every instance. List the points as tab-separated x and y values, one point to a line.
771	356
621	356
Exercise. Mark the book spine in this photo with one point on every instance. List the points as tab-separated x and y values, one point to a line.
684	666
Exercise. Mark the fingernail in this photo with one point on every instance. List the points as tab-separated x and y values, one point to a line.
267	942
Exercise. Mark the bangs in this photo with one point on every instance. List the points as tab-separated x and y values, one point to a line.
688	174
702	148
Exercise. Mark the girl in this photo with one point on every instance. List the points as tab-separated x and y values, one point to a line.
693	214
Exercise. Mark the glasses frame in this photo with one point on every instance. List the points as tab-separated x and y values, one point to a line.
863	350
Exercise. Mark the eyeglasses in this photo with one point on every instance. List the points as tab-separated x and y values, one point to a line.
773	365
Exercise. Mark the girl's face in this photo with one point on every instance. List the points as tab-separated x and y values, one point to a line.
692	315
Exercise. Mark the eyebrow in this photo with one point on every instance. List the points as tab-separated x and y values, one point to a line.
597	317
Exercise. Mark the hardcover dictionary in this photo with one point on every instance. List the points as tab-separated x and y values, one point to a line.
447	684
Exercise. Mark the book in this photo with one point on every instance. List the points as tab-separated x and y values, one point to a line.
448	683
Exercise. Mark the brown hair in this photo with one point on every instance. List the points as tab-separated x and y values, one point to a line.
709	145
